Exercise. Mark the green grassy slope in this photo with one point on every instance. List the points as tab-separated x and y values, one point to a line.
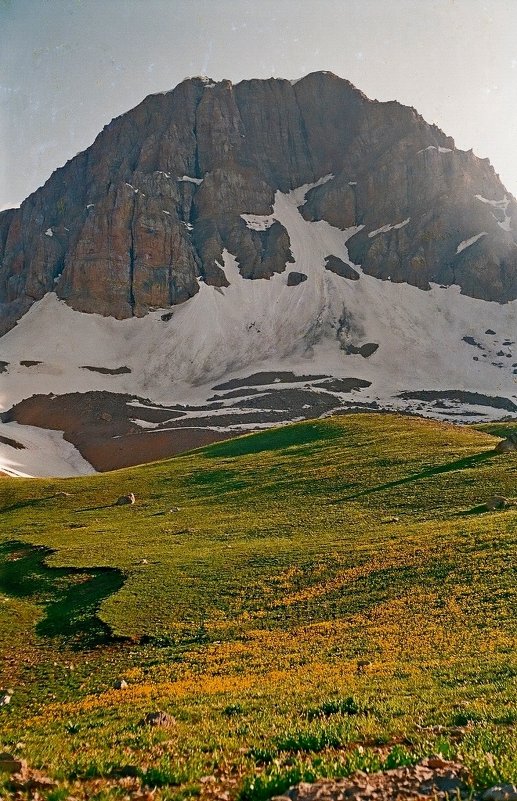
297	555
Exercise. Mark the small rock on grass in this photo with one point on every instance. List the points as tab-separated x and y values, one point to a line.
9	764
125	499
158	718
120	684
501	792
5	697
497	502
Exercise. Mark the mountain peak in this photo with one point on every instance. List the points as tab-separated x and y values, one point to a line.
148	209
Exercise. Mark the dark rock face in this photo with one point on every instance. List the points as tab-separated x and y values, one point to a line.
294	278
338	266
366	350
131	223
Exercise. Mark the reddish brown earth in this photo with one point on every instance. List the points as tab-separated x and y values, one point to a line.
99	425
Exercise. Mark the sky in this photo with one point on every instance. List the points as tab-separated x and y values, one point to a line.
67	67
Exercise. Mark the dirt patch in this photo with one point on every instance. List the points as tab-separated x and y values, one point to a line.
258	379
29	363
101	427
147	446
293	402
460	396
237	393
12	443
109	429
245	417
344	384
106	370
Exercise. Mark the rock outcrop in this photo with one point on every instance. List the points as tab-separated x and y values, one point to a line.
135	221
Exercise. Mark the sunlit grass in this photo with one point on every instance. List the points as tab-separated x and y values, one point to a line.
327	598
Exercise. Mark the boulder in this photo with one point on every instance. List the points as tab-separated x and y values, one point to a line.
125	499
501	792
508	445
497	502
5	697
11	764
339	267
159	718
365	350
294	278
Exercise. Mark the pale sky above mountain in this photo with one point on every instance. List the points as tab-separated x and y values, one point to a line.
67	67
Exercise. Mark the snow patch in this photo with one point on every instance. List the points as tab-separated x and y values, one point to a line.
191	180
144	423
49	232
386	228
45	453
258	222
468	242
297	195
502	205
433	147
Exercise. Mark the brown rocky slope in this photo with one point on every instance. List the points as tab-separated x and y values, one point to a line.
130	223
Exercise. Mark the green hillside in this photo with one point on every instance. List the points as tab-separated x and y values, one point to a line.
303	601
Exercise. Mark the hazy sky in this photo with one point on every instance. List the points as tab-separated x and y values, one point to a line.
67	67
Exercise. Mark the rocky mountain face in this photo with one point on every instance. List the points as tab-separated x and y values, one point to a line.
135	221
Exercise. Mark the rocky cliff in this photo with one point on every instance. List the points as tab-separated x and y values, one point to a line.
138	219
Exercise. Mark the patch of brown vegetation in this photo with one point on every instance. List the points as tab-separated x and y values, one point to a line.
432	778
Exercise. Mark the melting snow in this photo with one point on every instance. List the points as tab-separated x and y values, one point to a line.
503	206
45	453
433	147
191	180
258	222
386	228
144	423
468	242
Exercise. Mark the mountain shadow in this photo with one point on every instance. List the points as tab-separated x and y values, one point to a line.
70	597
